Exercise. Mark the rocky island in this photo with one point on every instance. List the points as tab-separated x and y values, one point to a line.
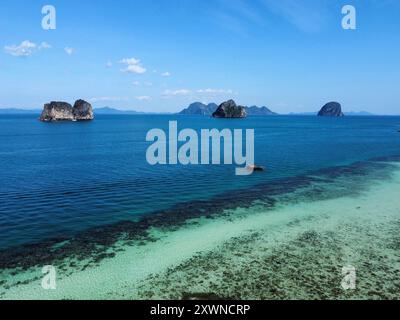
331	109
229	109
201	109
63	111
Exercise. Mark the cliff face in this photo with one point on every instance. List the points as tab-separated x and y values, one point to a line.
229	109
331	109
62	111
57	111
83	111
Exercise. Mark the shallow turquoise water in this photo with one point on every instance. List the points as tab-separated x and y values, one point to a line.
283	243
58	180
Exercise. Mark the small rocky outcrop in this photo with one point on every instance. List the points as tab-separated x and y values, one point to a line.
62	111
229	109
331	109
83	111
255	168
57	111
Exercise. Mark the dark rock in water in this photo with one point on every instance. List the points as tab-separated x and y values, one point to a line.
229	109
62	111
331	109
256	168
57	111
83	111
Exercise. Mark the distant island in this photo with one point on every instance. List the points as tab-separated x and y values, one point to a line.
201	109
229	109
331	109
359	114
108	110
259	111
348	113
15	111
198	108
63	111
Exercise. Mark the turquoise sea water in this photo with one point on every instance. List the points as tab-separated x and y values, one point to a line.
59	179
77	194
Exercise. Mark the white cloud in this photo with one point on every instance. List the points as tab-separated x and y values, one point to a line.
133	66
100	99
130	61
146	83
143	98
44	45
245	9
214	91
26	48
174	93
69	51
135	69
109	64
198	94
306	15
166	74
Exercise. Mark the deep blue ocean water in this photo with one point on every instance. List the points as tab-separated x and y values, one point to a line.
62	178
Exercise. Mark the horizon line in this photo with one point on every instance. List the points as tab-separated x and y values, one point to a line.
305	113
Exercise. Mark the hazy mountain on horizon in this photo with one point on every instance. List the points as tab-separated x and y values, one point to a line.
109	110
259	111
201	109
114	111
19	111
359	113
350	113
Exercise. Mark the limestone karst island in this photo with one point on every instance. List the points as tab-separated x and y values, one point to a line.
63	111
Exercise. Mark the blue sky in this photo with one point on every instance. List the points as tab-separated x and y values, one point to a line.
160	55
